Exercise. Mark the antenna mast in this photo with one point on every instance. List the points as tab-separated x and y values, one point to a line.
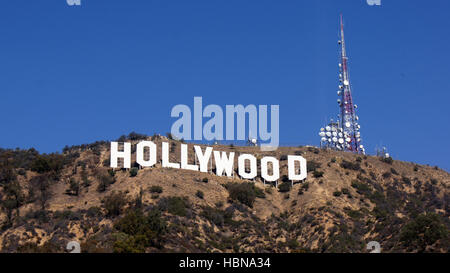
345	133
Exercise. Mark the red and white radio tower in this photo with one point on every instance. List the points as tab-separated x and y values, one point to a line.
343	134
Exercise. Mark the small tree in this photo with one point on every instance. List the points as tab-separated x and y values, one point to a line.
423	231
114	203
74	187
41	184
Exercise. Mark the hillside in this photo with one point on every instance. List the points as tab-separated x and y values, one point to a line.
346	201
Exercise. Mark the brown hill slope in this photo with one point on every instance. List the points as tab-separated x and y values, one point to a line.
346	201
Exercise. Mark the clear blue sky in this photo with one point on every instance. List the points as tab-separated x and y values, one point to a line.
72	75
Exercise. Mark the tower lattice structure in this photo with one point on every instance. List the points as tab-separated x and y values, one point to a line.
343	134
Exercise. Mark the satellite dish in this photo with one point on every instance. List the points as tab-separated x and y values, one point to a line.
253	140
340	87
339	93
328	134
322	134
341	141
346	83
348	139
329	140
340	65
361	146
328	128
357	118
347	124
340	134
356	106
323	139
322	129
340	75
339	101
335	134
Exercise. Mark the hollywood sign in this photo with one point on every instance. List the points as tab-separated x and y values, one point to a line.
224	162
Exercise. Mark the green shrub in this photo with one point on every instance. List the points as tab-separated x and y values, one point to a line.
351	165
199	194
305	186
175	205
406	180
284	178
114	203
105	179
312	166
361	188
48	163
394	172
139	231
133	171
337	193
245	193
317	174
423	231
156	189
216	216
284	187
